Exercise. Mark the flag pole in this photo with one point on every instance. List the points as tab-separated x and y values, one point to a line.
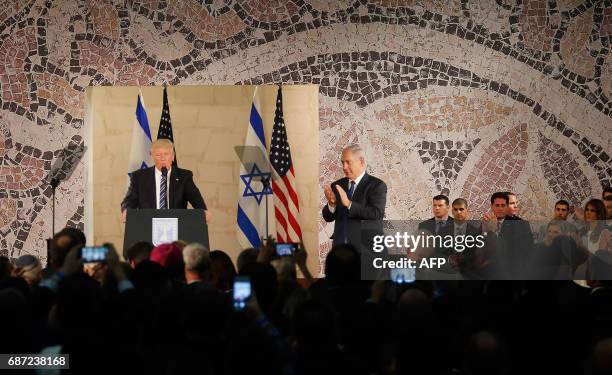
265	181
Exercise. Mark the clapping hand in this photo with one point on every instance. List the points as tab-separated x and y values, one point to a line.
489	222
343	197
329	195
578	212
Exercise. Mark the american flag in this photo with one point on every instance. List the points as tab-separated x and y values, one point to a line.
165	125
286	205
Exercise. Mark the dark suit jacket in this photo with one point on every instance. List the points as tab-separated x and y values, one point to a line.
517	233
447	230
142	190
430	226
516	245
368	203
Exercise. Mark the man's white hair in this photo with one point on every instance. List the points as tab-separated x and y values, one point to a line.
196	257
355	149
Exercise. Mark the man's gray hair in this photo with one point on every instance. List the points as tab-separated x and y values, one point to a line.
196	257
355	149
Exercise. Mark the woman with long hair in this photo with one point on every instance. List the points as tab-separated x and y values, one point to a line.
595	224
594	239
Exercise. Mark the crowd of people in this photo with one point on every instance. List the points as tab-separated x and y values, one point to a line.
574	243
170	309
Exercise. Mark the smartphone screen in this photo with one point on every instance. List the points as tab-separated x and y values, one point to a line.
286	249
242	291
403	275
94	254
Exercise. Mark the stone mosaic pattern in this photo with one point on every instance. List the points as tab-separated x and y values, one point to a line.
445	159
562	172
501	164
412	80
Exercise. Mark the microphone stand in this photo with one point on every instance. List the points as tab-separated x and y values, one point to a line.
54	183
265	181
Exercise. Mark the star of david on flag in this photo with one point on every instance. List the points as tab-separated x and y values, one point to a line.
256	175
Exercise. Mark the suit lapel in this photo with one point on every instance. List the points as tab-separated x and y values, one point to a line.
174	181
450	226
152	194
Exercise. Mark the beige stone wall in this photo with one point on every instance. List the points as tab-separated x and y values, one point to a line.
208	121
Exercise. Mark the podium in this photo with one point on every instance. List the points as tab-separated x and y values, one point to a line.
191	225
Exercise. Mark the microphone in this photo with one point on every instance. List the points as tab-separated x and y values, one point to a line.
164	171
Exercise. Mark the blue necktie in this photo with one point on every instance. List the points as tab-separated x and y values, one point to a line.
349	194
351	189
162	193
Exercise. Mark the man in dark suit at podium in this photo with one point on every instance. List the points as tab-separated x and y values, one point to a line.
357	196
162	186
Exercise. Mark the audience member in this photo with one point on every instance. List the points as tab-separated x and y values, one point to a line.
61	243
245	257
608	204
223	271
29	268
560	214
170	309
594	230
138	252
171	258
562	208
513	234
197	263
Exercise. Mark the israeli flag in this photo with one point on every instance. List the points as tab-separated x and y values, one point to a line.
251	218
140	152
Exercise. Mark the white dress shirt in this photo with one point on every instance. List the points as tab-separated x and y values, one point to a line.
158	176
357	180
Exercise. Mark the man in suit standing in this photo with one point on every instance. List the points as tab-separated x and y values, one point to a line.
357	196
462	224
162	186
515	239
523	230
467	259
441	225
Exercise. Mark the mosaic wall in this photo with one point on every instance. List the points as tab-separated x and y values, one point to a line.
462	96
